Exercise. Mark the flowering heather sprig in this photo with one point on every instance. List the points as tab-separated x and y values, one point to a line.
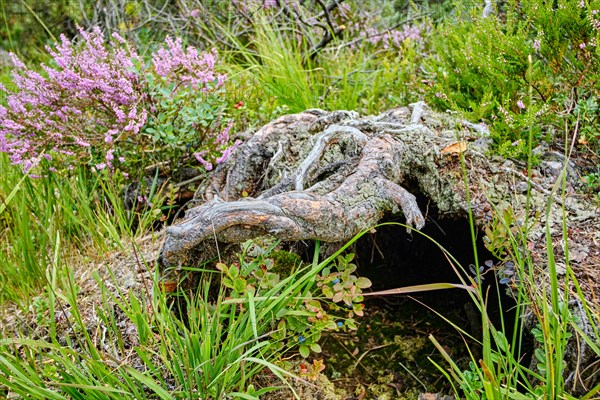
223	149
92	97
253	5
392	38
187	66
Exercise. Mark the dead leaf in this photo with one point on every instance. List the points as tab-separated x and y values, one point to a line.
454	148
578	252
169	287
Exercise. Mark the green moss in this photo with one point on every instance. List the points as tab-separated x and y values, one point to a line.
389	356
285	262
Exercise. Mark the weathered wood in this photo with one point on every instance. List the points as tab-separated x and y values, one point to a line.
358	202
304	205
328	175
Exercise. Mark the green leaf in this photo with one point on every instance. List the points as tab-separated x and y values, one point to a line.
331	325
540	355
239	285
281	329
337	297
363	283
228	283
12	194
222	267
315	347
351	324
304	351
501	341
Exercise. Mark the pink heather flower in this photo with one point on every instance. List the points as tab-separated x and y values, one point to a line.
223	137
185	65
520	105
118	38
582	46
581	4
225	155
94	98
221	80
207	165
344	9
109	155
195	13
536	44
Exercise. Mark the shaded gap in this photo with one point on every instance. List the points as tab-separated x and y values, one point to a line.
392	258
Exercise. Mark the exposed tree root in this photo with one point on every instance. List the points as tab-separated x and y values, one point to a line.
331	203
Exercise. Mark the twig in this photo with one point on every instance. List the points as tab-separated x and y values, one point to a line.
191	180
360	39
368	351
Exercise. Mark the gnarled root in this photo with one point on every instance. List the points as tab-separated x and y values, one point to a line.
357	202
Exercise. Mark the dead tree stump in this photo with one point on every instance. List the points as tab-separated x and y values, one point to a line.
327	176
315	175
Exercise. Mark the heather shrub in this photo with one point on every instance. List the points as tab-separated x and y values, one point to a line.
482	68
98	103
291	55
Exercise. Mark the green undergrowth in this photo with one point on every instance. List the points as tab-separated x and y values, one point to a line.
83	214
272	76
561	311
149	348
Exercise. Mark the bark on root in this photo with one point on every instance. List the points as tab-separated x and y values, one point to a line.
329	175
328	197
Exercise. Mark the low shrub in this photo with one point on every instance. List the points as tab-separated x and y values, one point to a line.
482	68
